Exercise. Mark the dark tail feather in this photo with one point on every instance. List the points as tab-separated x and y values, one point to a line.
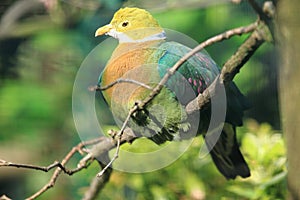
227	155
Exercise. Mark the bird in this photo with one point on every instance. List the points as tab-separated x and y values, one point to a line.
145	55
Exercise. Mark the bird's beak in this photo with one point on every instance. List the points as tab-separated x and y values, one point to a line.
103	30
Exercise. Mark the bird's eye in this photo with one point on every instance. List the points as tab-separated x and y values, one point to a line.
124	24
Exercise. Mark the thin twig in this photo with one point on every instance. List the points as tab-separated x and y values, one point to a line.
119	137
116	155
57	172
120	80
55	164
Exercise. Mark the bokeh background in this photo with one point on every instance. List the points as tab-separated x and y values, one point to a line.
42	45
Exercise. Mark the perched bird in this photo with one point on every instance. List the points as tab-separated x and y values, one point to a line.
144	55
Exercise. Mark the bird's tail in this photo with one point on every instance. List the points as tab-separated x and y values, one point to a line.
227	155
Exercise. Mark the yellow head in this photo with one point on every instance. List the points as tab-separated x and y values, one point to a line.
132	24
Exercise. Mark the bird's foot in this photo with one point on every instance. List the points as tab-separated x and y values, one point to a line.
113	133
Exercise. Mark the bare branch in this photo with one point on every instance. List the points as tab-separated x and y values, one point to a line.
241	56
112	160
203	99
260	34
84	163
266	14
98	182
119	136
229	70
120	80
257	9
9	20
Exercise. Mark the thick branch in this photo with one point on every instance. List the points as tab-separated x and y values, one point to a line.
109	143
261	34
242	55
266	14
229	70
98	182
231	67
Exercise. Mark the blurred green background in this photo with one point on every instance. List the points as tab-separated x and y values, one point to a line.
42	45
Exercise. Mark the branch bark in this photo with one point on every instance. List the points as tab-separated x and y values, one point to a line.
232	66
98	182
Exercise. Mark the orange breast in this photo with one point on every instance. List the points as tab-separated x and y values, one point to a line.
131	61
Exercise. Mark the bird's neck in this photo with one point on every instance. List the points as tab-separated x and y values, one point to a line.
123	38
137	47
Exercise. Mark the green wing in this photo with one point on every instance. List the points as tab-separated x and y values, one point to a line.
195	74
199	72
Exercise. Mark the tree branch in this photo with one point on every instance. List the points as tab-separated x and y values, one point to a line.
120	80
60	166
98	182
266	14
229	70
232	66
